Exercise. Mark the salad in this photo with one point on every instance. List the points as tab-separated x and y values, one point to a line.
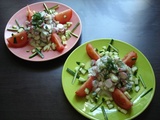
110	79
43	30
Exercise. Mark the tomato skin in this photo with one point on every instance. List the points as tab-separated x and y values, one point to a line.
56	39
121	100
130	58
29	13
21	40
91	52
64	16
88	84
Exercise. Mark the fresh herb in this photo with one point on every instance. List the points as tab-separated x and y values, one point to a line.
78	63
74	28
140	77
12	29
71	72
75	75
96	106
37	19
104	113
109	47
134	58
17	24
15	40
39	53
46	8
115	49
73	34
50	10
33	55
54	7
17	28
110	65
146	92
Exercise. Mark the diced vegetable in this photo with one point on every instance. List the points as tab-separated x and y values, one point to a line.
121	100
134	68
18	40
130	58
113	77
91	52
83	70
64	16
109	104
137	88
86	90
122	110
127	95
82	80
136	81
55	39
88	84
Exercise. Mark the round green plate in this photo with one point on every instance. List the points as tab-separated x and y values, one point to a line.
83	107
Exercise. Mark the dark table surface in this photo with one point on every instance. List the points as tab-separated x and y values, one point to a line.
33	90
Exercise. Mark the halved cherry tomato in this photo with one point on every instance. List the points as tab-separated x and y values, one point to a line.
88	84
64	16
29	13
56	39
130	58
18	40
121	100
91	52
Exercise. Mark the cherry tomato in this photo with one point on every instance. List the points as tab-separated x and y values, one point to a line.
130	58
88	84
121	100
91	52
56	39
18	40
29	13
64	16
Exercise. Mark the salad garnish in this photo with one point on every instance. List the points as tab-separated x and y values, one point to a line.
104	113
146	92
108	80
144	85
46	30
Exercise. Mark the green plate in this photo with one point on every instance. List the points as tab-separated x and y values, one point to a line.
83	107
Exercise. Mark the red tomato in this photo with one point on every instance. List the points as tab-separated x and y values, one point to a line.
130	58
29	13
121	100
56	39
64	16
18	40
91	52
88	84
